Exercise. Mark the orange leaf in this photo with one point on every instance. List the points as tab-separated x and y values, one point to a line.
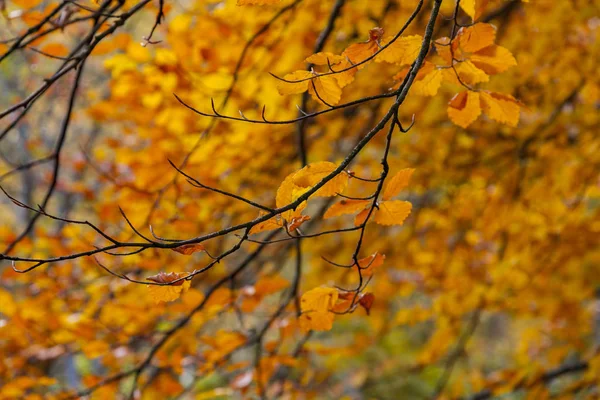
325	90
502	108
188	249
368	264
268	225
464	108
346	206
476	37
366	301
397	183
361	217
55	49
297	221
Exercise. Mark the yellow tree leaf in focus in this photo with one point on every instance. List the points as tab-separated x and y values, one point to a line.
287	193
464	108
314	173
166	293
315	306
429	84
397	183
324	58
285	88
346	206
476	37
188	249
502	108
325	90
493	59
392	212
470	74
403	51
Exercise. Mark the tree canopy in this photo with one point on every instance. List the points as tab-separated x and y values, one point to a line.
342	199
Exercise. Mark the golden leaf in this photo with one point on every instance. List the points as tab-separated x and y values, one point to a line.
324	58
287	193
468	7
314	173
502	108
403	51
429	84
493	59
285	88
166	293
346	206
392	212
470	74
476	37
325	90
316	305
464	108
397	183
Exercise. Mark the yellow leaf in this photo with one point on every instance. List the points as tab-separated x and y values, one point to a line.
493	59
316	305
314	173
392	212
403	51
464	108
397	183
468	7
429	84
502	108
295	87
55	49
346	206
166	293
470	74
287	193
476	37
325	90
324	58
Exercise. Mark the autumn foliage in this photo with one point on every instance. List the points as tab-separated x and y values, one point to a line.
299	199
